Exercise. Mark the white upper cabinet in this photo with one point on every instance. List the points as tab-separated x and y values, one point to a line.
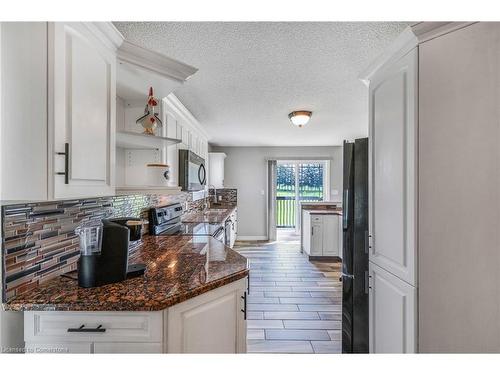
64	80
61	78
216	169
393	98
23	93
82	75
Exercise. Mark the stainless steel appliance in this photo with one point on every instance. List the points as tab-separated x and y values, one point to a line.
355	248
167	221
192	172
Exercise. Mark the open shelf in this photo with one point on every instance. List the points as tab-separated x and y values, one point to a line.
131	140
160	190
139	68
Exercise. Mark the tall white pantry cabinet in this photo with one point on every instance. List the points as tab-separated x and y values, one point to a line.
434	124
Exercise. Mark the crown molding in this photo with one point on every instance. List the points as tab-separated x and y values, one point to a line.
154	62
425	31
403	44
410	38
107	33
175	105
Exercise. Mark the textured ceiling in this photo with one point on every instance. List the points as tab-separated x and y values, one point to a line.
251	75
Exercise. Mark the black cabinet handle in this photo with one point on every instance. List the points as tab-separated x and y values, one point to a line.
66	163
244	309
82	329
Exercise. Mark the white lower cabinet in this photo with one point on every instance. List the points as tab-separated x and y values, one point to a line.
392	313
210	323
213	322
322	235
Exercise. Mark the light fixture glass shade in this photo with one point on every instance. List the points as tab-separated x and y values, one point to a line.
300	118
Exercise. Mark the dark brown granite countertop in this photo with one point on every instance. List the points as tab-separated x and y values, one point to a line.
178	268
214	215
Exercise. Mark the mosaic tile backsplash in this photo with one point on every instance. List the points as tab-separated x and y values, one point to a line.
229	196
39	242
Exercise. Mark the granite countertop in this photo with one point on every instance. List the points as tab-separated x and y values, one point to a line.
215	215
178	268
328	211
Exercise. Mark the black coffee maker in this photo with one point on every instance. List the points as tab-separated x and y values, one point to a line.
104	252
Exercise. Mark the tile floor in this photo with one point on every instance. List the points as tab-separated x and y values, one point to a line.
294	305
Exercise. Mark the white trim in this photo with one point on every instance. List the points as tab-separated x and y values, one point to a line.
251	238
154	62
403	44
107	33
174	104
425	31
410	38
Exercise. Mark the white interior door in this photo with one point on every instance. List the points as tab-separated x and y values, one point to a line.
393	97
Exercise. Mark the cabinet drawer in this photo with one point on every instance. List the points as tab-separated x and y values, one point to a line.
118	326
316	218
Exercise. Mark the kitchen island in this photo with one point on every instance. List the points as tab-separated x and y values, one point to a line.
321	231
191	299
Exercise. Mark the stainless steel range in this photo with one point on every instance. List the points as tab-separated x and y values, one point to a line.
167	221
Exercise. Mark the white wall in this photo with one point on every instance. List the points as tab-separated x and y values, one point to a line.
245	169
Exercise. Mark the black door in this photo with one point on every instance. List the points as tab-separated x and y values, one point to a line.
347	249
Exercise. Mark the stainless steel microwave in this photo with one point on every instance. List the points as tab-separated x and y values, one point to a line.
192	172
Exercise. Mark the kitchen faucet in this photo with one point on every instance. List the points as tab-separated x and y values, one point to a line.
215	192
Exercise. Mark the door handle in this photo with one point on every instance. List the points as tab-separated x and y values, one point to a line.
200	179
367	282
82	329
66	163
244	309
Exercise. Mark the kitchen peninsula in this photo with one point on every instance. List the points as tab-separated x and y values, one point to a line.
191	300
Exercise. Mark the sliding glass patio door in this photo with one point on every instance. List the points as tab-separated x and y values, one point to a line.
298	181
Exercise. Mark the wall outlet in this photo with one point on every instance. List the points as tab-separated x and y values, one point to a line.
334	192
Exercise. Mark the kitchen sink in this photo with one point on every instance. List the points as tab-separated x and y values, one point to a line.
215	210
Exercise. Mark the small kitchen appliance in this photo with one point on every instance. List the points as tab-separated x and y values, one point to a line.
104	253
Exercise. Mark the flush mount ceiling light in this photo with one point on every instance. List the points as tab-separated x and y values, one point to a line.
300	118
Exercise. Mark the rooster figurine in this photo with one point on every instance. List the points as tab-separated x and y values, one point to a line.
150	119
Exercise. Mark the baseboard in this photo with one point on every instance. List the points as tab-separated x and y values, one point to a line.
251	238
